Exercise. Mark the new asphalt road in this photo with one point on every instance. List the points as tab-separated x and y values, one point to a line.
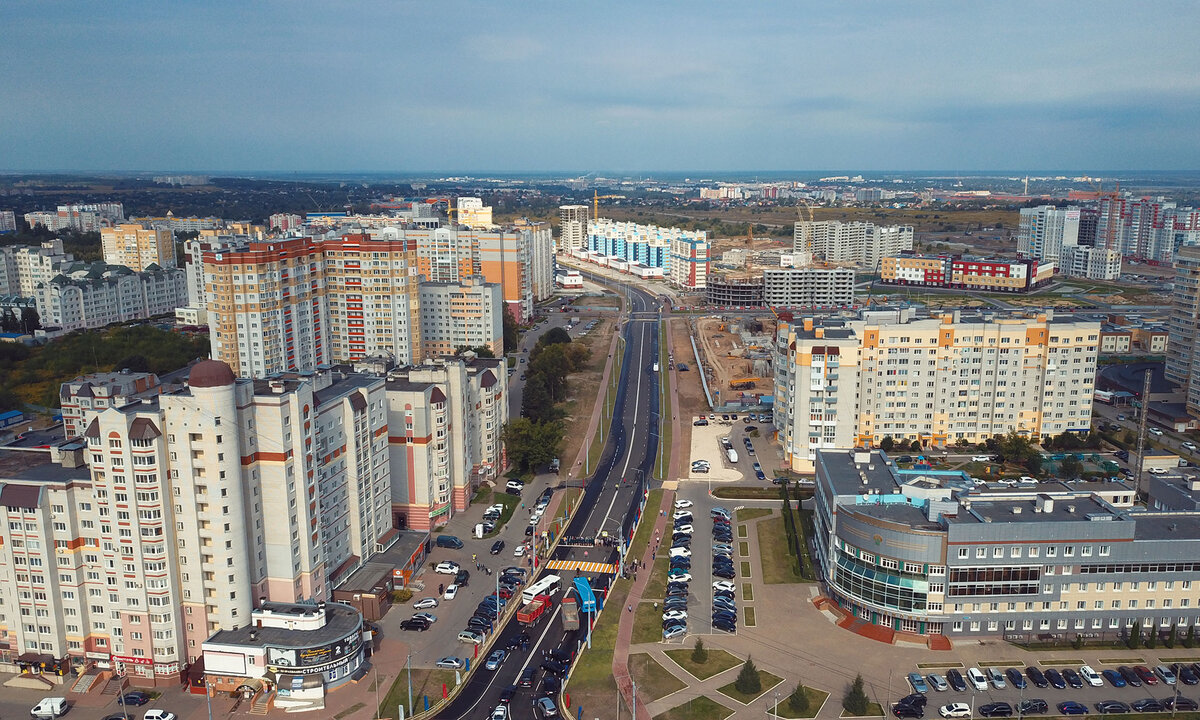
608	506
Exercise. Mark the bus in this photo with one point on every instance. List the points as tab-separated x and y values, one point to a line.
548	585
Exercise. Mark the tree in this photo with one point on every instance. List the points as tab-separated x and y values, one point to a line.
748	682
135	363
1077	643
1135	636
798	700
482	351
530	444
554	336
1170	641
1151	638
512	336
1070	467
856	701
699	653
536	403
30	319
887	444
1190	639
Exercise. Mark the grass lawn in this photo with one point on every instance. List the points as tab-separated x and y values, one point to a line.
569	497
595	665
641	538
816	699
746	492
876	710
700	708
748	612
742	531
656	589
750	513
647	622
745	569
664	402
778	565
744	549
653	680
425	681
718	662
767	679
747	592
510	503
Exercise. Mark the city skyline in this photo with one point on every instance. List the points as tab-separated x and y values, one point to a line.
475	87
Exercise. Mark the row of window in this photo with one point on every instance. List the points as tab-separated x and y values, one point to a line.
1016	551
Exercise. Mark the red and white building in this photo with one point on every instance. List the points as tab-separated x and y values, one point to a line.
967	272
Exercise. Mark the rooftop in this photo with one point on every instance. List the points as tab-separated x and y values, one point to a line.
340	621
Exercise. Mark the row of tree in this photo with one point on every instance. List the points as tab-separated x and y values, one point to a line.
535	438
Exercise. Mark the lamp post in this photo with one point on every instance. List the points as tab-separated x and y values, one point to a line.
776	706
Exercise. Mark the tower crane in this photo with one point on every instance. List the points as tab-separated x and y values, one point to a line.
450	209
596	198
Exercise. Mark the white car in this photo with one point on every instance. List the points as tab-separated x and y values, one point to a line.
681	504
981	458
425	603
500	713
685	529
977	679
680	552
159	715
519	551
446	568
450	662
470	636
1155	431
1188	446
675	615
1091	677
681	577
1157	471
683	514
955	710
451	592
724	585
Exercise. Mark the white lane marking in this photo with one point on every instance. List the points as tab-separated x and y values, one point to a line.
496	673
633	432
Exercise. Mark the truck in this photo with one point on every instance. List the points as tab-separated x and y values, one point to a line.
529	613
1104	396
570	613
731	454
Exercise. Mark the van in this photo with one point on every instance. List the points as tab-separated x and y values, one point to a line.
478	534
732	455
51	707
449	541
554	465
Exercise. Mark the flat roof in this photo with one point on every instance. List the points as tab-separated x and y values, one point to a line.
340	621
396	556
1065	509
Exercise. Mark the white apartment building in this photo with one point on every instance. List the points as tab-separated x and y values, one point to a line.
857	243
474	214
8	221
89	217
1045	232
138	247
85	396
938	380
1150	228
808	287
1094	263
24	268
467	313
1183	355
193	263
573	221
445	421
682	255
92	296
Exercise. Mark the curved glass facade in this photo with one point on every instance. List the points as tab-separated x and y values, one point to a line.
874	586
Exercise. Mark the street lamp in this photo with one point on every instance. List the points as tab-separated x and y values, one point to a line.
776	706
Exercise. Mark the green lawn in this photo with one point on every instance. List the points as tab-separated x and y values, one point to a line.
510	503
742	531
748	612
594	668
664	401
718	662
747	592
641	538
876	710
700	708
778	565
746	492
816	699
653	680
745	569
424	682
656	589
767	679
750	513
647	622
744	549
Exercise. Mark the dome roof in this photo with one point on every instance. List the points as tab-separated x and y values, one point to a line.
211	373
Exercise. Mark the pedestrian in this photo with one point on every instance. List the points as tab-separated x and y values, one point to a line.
629	609
441	588
473	556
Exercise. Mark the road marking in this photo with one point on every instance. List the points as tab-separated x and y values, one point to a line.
637	401
589	567
496	673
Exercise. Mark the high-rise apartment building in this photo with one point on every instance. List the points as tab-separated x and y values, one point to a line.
445	420
842	384
138	247
85	396
474	214
572	228
285	222
267	309
374	298
1046	231
1146	228
681	255
8	221
23	268
193	263
461	314
1094	263
857	243
808	286
1183	355
90	217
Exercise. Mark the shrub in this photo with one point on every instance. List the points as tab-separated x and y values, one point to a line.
401	596
798	700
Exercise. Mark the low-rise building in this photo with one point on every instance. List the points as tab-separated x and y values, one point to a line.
966	272
87	395
734	291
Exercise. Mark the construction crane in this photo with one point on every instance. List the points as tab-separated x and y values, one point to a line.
450	209
596	198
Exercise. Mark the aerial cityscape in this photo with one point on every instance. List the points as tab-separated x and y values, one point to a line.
482	362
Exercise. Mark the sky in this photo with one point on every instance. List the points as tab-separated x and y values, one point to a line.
455	87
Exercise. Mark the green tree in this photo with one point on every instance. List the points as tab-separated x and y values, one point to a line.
1077	643
554	336
530	444
512	336
1170	641
135	363
482	351
856	701
1070	467
748	682
30	320
1135	636
887	444
1190	639
798	700
699	653
1151	638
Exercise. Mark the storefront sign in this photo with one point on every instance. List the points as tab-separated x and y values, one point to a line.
133	660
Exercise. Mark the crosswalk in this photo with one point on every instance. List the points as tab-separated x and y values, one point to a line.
587	567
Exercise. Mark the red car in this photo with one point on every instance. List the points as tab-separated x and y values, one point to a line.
1146	676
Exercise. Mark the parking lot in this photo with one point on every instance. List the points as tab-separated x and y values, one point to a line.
706	445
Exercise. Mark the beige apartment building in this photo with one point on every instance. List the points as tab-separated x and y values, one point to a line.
461	314
138	247
938	380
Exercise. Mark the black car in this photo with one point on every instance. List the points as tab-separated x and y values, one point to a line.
725	573
1055	678
1105	707
1072	678
554	667
1146	705
478	623
725	626
518	641
683	563
462	578
1131	677
415	624
506	695
550	685
1185	673
1032	706
1180	703
1036	676
119	716
497	547
681	536
901	710
996	709
956	680
1016	678
135	698
560	655
527	676
530	528
918	699
677	593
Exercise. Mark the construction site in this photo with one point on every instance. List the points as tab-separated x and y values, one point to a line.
735	357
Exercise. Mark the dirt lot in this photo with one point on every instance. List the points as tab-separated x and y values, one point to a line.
721	349
583	386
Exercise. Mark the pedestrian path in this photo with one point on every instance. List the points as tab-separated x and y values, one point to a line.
588	567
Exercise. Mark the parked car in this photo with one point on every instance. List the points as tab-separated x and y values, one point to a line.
1146	705
1055	678
1070	707
1131	677
955	678
1072	678
1016	678
1165	673
1104	707
1180	703
135	698
1115	678
1036	676
451	662
996	709
1032	706
977	679
1091	676
451	592
937	682
159	715
414	623
997	678
446	568
1145	675
918	682
955	710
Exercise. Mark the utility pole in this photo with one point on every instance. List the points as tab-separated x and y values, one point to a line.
1141	446
408	664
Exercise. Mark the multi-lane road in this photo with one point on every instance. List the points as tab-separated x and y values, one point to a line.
607	505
